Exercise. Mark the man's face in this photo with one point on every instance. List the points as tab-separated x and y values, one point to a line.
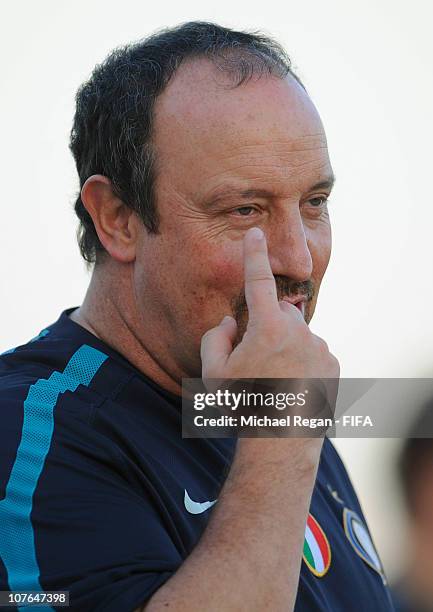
229	159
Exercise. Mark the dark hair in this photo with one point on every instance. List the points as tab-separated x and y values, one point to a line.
111	133
416	454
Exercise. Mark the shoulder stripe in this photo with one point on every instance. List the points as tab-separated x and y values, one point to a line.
17	548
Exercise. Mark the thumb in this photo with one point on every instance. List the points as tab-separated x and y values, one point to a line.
216	346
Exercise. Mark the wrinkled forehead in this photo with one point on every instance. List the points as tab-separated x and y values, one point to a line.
204	123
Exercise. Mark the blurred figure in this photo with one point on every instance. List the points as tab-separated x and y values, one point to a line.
414	591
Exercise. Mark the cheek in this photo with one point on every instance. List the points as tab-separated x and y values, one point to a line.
219	269
226	272
196	265
214	278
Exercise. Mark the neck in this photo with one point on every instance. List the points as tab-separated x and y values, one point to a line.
111	315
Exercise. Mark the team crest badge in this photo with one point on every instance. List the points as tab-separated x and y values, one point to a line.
317	552
361	542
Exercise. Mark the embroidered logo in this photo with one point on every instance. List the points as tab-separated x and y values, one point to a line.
317	551
358	536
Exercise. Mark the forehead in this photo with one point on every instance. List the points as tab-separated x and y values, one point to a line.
207	132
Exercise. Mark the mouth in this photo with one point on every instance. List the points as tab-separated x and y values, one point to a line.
301	307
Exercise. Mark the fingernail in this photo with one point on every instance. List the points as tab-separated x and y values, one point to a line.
256	233
227	319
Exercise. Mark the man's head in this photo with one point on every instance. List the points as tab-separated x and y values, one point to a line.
415	470
201	133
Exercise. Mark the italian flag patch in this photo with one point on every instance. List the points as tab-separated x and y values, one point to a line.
317	552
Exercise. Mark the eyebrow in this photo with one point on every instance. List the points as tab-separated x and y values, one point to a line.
327	183
226	192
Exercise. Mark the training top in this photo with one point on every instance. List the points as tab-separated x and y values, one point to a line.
101	496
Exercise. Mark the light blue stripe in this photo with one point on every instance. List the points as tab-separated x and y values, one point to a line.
41	334
8	351
17	546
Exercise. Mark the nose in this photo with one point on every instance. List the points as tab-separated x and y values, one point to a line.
289	253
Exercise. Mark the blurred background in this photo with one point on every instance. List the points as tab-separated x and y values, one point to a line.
367	66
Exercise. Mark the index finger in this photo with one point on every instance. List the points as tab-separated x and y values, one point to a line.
260	289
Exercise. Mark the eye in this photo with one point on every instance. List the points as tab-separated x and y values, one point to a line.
244	211
318	202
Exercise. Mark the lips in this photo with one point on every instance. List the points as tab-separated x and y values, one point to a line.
301	307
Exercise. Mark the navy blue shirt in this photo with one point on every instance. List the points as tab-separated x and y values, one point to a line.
100	495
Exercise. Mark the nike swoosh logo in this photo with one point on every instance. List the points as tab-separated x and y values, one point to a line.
194	507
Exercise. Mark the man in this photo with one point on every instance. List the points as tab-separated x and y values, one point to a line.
414	590
204	178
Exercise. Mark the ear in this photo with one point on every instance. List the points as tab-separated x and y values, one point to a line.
115	223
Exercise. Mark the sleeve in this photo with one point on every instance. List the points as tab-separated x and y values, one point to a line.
94	529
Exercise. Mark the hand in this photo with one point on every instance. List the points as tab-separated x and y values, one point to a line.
277	344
